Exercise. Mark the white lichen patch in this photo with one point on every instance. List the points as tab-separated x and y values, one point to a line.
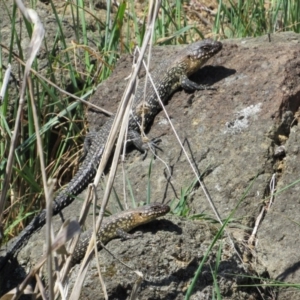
242	118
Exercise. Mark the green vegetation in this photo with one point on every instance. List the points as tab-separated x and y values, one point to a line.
77	68
239	18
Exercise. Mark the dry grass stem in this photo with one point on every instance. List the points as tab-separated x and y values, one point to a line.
72	96
210	201
34	46
122	113
83	214
94	237
251	240
5	82
137	284
70	228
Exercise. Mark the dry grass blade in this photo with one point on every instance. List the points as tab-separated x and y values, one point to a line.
72	96
49	205
68	231
40	287
203	187
123	111
10	295
34	46
94	237
5	82
137	284
83	214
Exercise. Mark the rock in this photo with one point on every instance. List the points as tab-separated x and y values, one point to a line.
231	135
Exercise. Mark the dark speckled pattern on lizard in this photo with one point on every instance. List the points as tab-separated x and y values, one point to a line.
118	225
168	76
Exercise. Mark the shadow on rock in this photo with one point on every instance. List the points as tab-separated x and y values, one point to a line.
212	74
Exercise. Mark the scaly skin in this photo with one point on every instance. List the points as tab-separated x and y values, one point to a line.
168	77
118	225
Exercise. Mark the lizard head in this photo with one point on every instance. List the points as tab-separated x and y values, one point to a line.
147	213
196	54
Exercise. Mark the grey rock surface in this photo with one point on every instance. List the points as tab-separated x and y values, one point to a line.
232	135
278	236
168	255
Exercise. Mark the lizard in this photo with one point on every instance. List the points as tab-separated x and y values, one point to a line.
168	76
118	225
